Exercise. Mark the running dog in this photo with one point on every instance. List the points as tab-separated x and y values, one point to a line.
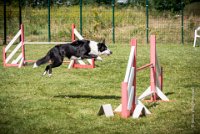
79	49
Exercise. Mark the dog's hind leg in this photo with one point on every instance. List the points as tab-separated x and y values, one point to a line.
53	65
46	70
41	61
56	63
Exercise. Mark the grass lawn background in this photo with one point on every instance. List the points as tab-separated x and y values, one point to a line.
68	102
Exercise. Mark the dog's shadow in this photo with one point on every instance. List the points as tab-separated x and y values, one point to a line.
169	93
89	96
78	96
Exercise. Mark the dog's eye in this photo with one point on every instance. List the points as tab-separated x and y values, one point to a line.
102	47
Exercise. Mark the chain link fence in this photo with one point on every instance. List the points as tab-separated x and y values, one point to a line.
114	22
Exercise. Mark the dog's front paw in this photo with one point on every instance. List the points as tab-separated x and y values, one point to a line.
99	58
45	72
49	75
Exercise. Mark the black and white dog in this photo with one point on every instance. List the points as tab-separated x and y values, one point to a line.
79	49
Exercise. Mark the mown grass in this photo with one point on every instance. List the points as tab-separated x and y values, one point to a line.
69	101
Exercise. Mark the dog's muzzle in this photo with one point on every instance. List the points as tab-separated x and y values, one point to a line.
106	52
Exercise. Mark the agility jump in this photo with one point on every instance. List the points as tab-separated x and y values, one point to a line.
156	75
80	63
19	49
130	105
21	60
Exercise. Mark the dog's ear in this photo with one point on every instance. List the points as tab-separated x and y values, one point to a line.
104	41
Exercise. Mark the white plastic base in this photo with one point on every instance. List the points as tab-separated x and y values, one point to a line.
139	109
149	92
107	110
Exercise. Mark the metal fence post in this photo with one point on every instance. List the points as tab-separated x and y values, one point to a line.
5	31
49	21
113	21
147	21
20	16
182	22
81	17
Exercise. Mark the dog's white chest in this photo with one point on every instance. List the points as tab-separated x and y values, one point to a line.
94	48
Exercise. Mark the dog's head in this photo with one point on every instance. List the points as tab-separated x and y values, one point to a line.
103	49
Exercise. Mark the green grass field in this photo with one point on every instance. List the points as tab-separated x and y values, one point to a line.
68	102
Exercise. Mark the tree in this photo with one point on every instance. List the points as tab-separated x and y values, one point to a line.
172	5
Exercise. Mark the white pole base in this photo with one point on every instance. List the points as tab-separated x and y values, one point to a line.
149	92
107	110
140	109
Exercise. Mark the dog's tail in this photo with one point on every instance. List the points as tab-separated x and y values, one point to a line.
43	60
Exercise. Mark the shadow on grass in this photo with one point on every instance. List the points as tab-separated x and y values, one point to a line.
151	105
89	96
97	96
169	93
155	103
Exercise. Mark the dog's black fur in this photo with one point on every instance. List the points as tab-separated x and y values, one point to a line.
79	49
